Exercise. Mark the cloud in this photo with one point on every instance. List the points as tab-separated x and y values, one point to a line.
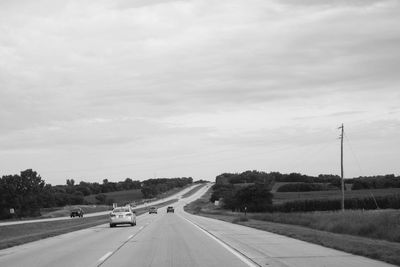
173	76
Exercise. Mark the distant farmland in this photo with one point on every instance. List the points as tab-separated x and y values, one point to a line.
119	196
282	197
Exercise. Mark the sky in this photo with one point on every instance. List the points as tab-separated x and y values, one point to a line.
112	89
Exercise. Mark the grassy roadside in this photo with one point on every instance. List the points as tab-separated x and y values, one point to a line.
373	248
14	235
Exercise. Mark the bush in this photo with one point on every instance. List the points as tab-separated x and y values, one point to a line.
256	198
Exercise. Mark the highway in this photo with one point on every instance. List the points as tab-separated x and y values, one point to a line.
176	239
174	196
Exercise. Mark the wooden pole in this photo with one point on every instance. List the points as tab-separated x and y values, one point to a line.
341	164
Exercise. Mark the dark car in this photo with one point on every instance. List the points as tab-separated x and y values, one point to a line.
76	213
170	209
153	210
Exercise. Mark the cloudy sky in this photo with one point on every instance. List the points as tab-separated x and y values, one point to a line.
119	88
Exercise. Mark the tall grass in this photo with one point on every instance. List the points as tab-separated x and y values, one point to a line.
379	224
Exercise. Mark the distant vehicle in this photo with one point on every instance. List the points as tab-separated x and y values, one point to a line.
78	212
153	210
170	209
122	215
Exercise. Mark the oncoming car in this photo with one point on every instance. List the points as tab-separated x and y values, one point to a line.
122	215
78	212
170	209
153	210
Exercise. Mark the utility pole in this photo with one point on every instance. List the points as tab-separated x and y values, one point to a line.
341	163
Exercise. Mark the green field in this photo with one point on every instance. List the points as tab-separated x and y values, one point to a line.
282	197
134	195
193	190
119	196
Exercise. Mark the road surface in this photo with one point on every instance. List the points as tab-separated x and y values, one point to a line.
176	239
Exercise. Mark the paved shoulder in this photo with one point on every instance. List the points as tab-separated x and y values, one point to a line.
268	249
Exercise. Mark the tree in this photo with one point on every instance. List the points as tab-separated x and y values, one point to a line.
70	182
25	193
256	198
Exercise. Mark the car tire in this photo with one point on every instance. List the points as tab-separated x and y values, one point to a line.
112	225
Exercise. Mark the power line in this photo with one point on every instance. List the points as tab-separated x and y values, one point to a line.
354	155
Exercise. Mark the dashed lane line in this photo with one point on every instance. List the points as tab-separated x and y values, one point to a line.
104	257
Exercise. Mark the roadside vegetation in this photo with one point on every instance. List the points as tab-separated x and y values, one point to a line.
377	224
192	191
115	197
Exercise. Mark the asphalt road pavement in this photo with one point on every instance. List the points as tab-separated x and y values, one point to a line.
176	239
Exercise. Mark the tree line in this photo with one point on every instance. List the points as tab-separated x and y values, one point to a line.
153	187
261	177
248	191
376	182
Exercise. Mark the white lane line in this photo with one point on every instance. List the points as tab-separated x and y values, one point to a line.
141	227
129	237
235	252
105	256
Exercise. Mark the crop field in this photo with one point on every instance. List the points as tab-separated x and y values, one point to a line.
119	196
282	197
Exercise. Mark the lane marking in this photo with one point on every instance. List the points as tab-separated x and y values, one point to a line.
105	256
103	259
232	250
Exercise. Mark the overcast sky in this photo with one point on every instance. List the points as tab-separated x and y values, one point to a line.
156	88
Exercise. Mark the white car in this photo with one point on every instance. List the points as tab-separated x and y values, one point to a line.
122	215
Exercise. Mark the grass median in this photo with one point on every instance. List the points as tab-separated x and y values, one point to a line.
357	232
192	191
13	235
